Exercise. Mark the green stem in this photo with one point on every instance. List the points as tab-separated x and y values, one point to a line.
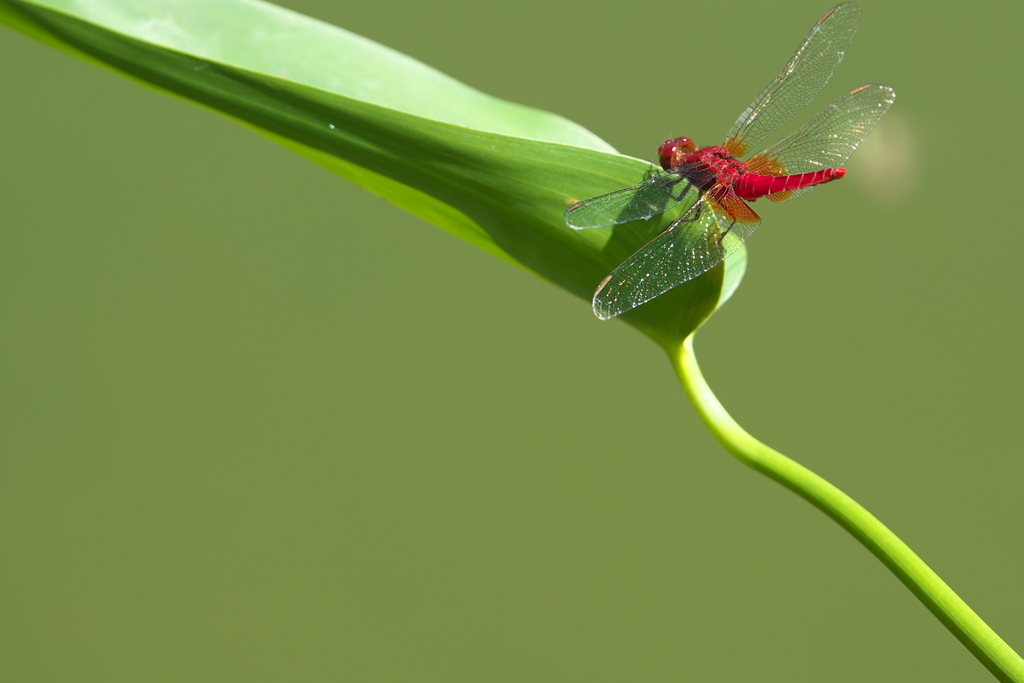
952	611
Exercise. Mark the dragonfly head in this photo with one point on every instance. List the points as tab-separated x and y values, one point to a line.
671	153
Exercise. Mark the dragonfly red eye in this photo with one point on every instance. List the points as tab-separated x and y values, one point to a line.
671	153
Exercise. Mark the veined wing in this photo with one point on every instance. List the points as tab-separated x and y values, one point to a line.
654	195
831	137
800	81
691	246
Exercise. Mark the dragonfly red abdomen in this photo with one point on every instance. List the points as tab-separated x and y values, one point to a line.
753	186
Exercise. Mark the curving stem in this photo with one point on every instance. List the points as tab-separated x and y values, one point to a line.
951	610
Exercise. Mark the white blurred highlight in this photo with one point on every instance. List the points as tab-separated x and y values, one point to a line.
886	164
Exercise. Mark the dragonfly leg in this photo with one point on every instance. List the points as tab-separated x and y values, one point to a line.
687	185
696	214
722	236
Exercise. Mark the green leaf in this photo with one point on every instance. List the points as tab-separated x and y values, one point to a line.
494	173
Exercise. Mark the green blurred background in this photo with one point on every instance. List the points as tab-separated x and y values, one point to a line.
259	425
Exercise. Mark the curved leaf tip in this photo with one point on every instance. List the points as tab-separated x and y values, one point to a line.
495	173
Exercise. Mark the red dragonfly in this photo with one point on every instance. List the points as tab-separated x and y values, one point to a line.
719	185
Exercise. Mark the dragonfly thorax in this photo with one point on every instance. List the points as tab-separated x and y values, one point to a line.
704	167
712	166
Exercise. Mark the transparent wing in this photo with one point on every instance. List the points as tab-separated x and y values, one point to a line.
654	195
800	81
832	136
691	246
